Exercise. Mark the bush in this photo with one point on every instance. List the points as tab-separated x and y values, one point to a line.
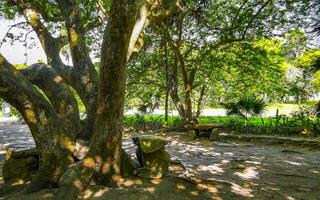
245	107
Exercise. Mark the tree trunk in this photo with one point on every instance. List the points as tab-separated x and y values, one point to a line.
103	161
199	106
188	102
84	71
166	105
54	143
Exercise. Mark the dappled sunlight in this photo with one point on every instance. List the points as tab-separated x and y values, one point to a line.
315	171
238	170
181	187
168	188
248	173
207	187
90	193
212	169
131	182
149	189
57	79
293	163
89	162
67	143
156	181
237	189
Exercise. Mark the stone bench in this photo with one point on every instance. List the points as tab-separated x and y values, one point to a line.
196	129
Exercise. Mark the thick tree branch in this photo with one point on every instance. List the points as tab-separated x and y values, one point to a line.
146	18
50	44
254	17
59	94
40	8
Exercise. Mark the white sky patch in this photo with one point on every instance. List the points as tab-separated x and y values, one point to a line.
15	53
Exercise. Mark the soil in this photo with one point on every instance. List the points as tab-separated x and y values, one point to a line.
218	170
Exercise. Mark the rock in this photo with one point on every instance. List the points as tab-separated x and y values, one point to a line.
152	156
149	143
157	163
214	135
128	166
20	165
81	149
71	183
193	134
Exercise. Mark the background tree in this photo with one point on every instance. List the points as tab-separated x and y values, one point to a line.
205	27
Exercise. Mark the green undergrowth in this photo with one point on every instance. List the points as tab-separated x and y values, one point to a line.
280	125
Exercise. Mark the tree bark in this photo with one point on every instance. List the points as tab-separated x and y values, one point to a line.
202	93
174	89
84	71
50	44
107	140
103	161
166	107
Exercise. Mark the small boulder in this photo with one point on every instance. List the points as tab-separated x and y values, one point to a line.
81	149
20	165
214	135
128	165
149	143
152	156
157	164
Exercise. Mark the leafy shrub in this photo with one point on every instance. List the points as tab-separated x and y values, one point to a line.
246	106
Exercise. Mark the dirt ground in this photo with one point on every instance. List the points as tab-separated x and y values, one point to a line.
222	170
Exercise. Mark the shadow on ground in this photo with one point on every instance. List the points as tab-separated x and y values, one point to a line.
218	170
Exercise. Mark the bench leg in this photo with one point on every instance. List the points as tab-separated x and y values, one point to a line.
194	134
214	135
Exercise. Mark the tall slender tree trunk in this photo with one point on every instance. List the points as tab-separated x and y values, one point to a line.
166	105
199	104
188	103
174	88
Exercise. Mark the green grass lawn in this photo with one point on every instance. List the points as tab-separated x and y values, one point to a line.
174	120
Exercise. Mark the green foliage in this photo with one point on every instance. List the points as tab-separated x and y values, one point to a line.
262	59
246	106
299	123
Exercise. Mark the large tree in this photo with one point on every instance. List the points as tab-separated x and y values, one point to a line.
54	118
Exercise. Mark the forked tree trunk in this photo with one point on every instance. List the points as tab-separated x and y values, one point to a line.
59	94
103	161
53	141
